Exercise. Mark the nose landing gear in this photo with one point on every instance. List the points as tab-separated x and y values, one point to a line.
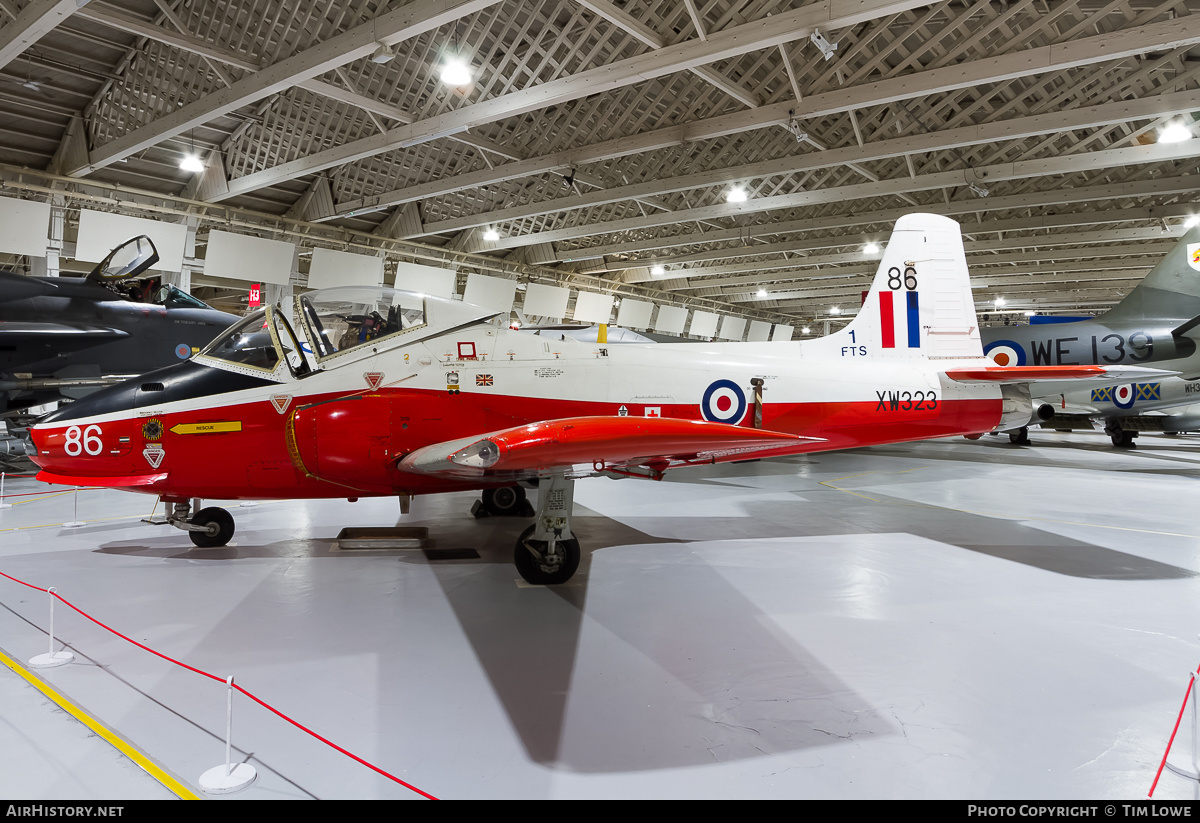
208	528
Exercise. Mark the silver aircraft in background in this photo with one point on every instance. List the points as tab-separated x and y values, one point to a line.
1156	324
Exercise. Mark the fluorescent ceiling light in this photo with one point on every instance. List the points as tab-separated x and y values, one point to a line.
1175	132
191	162
455	72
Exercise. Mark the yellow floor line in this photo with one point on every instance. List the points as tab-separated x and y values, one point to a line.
173	784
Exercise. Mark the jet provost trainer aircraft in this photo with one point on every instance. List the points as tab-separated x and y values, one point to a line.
407	394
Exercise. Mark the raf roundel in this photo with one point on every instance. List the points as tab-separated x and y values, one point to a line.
723	402
183	351
1005	353
1124	396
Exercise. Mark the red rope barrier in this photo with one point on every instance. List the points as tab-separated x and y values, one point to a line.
260	702
1171	742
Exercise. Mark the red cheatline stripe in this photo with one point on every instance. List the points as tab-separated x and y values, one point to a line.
266	706
1171	742
887	319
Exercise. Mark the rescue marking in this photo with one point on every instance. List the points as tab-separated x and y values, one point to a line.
207	428
652	411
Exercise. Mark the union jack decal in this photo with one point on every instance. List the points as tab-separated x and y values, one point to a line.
483	380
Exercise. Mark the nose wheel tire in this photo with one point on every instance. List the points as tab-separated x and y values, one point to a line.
504	501
545	569
217	524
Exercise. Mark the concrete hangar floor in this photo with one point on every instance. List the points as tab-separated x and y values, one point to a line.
948	619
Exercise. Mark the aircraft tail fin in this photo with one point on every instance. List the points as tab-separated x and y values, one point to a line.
1170	292
920	303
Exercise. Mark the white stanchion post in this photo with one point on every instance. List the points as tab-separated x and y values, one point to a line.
76	522
1194	774
51	658
3	505
229	777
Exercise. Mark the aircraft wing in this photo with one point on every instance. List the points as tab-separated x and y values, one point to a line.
644	446
52	338
1078	377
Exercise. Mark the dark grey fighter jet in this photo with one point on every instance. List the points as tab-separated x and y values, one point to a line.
1155	325
62	337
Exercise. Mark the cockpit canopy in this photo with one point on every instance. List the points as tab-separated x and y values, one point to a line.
337	322
340	319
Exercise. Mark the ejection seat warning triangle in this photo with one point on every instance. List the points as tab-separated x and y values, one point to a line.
281	402
373	378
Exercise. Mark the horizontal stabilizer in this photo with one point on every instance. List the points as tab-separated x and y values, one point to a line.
1185	328
1099	375
599	443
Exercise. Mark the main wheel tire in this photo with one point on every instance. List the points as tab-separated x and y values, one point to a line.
538	574
505	501
1123	439
219	526
1020	437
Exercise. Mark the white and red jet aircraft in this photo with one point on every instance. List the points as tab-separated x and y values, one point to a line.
406	394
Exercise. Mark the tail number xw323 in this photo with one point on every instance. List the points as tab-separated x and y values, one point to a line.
890	401
86	441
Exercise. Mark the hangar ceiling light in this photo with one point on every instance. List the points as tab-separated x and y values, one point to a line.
1175	132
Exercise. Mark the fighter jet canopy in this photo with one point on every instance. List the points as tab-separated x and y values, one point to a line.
127	260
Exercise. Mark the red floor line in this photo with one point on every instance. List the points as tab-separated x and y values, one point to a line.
1171	742
265	705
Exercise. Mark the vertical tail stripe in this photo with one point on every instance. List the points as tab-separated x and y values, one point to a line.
887	320
914	322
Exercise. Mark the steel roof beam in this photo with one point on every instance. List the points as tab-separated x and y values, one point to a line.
1069	164
1014	129
32	23
738	40
1083	51
353	44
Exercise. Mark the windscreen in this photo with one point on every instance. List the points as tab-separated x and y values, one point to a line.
246	343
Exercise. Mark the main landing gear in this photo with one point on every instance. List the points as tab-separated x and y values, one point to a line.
208	528
505	501
1121	438
1020	437
547	553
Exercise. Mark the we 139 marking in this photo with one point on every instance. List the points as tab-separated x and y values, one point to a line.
906	400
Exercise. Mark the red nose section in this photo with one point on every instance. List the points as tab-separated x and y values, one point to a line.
112	453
